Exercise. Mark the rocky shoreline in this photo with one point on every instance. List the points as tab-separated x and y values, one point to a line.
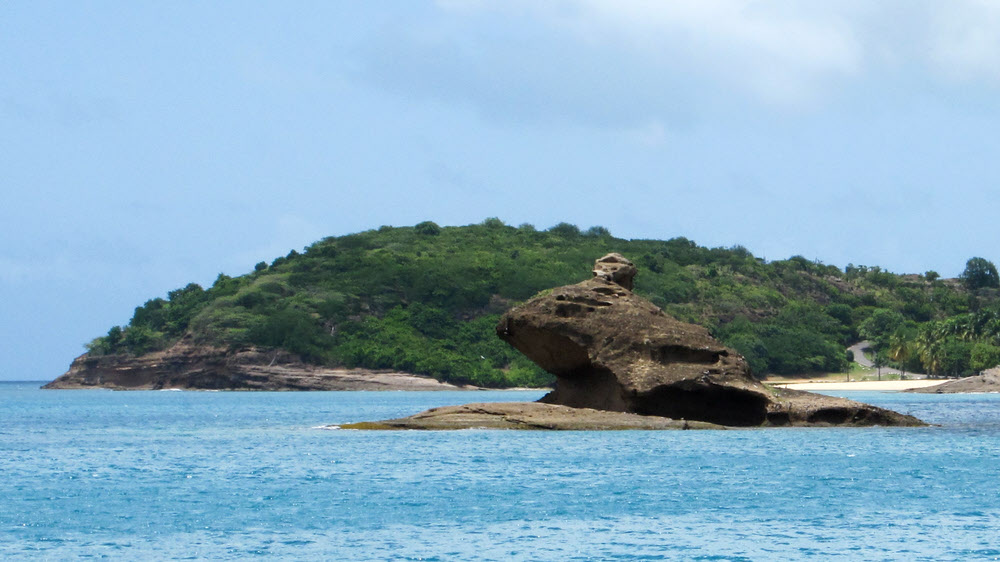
191	367
988	381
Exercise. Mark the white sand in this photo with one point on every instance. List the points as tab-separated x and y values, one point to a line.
858	385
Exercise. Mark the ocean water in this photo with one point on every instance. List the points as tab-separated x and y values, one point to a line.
215	475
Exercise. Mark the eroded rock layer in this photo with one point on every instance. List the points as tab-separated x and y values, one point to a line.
191	367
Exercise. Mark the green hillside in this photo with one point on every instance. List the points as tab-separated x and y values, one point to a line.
425	299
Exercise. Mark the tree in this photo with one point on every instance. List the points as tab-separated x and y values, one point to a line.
984	356
139	339
597	232
879	361
980	273
493	222
930	350
880	325
566	230
899	351
427	228
152	314
955	358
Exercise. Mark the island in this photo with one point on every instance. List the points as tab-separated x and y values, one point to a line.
403	307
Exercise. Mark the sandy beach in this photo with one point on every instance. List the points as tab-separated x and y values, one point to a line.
888	386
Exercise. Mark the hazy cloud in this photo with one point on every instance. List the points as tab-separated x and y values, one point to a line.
768	50
628	63
965	40
13	271
623	64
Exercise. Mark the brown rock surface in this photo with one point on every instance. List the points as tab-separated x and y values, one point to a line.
527	415
191	367
988	381
613	350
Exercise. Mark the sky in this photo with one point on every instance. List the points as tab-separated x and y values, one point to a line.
147	145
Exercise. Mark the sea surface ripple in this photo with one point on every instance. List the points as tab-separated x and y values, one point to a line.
232	475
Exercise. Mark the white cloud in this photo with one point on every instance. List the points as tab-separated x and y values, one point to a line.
626	63
733	38
964	40
774	51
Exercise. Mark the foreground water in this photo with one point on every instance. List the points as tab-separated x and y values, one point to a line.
192	475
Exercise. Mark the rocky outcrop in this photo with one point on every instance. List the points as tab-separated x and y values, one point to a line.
613	350
191	367
526	415
988	381
622	363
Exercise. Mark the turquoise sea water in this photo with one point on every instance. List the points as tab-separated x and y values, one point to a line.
195	475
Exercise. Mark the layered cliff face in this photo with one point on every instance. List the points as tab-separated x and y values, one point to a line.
613	350
190	367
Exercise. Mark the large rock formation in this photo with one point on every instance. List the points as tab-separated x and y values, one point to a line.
622	363
192	367
988	381
613	350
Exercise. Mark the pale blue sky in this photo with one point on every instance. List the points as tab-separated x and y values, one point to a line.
145	145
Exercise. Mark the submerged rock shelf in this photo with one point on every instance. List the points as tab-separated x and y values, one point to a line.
527	415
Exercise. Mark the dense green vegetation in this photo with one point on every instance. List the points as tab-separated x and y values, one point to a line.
425	299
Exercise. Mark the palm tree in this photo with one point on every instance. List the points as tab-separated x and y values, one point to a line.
899	351
879	361
929	349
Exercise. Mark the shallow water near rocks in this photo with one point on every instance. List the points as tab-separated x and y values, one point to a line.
193	475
